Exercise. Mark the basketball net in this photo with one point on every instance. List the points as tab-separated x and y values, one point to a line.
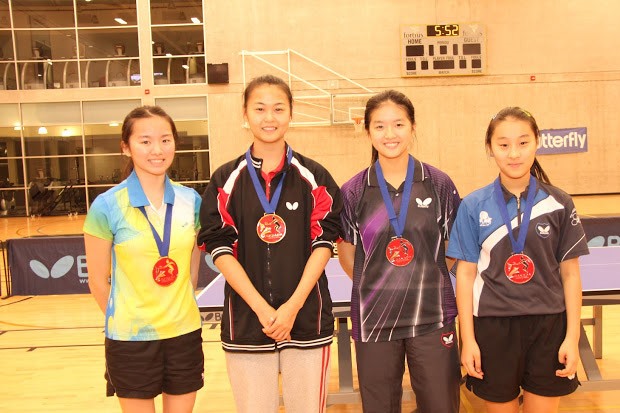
358	125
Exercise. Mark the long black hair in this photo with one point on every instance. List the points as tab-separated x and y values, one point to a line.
374	102
517	113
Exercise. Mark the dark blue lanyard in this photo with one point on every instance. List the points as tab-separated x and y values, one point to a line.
397	223
268	206
162	246
519	244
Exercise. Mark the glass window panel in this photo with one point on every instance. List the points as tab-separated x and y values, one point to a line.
109	43
12	202
55	171
98	13
184	107
6	44
162	70
65	75
179	70
105	169
93	192
69	74
9	116
5	17
10	143
8	78
52	113
200	187
171	12
36	75
196	70
93	73
117	73
108	111
190	167
179	40
193	135
52	144
45	44
11	171
52	197
102	139
42	13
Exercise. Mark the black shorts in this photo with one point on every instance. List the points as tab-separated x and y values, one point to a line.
145	369
520	352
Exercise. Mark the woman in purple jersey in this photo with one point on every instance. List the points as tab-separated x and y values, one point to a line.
518	283
397	215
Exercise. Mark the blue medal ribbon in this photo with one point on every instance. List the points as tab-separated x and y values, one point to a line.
398	223
519	244
268	206
163	246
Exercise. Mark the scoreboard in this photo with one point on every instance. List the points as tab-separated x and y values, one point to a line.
443	49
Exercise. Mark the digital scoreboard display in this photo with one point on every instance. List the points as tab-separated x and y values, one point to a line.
443	49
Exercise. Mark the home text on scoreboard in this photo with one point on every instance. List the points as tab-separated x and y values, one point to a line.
443	49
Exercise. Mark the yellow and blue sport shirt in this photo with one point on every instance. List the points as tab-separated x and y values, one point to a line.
138	308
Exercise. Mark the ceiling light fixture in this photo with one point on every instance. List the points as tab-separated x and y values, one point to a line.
42	130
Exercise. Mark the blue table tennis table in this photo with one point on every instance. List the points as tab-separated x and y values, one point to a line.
600	273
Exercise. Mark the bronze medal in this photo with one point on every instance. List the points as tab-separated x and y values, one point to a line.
271	228
165	271
519	268
399	252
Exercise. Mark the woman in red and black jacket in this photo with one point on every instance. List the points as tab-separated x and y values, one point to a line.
269	219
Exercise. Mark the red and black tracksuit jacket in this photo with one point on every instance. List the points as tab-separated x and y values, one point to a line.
310	205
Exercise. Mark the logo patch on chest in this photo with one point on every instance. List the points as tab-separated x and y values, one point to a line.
484	219
543	229
423	203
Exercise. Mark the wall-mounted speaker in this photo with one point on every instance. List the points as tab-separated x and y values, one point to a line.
217	73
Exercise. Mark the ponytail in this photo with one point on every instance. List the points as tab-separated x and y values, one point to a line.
128	169
539	173
375	156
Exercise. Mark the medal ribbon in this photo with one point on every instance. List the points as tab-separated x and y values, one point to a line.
519	244
268	206
163	246
397	223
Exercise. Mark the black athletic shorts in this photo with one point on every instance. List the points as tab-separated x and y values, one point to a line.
520	352
145	369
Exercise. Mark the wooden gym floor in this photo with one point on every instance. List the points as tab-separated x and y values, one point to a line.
51	347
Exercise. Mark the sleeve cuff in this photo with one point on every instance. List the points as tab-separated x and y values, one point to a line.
219	251
322	243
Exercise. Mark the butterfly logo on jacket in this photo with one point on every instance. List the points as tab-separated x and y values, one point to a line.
423	203
543	230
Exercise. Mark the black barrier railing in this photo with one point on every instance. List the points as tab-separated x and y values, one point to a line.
5	268
44	265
